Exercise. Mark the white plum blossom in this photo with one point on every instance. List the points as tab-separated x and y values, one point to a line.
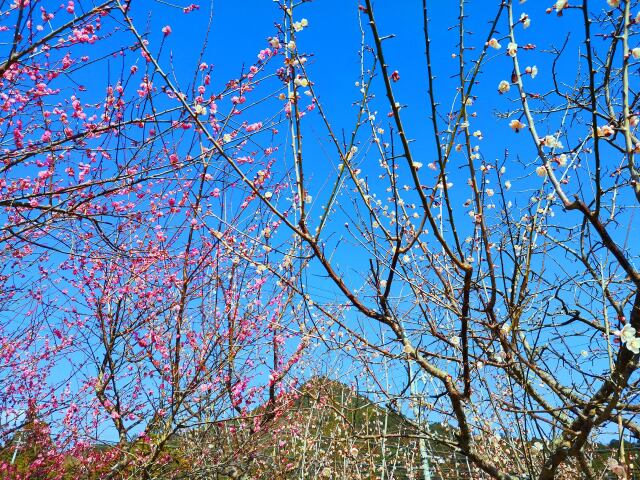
298	26
551	141
628	338
605	131
300	81
627	333
274	42
512	49
516	125
533	71
493	43
634	345
504	86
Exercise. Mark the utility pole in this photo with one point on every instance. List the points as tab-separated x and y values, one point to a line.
422	443
15	450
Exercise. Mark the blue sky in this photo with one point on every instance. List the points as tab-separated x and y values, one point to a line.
239	30
333	38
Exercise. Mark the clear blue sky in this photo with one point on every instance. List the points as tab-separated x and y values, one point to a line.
241	29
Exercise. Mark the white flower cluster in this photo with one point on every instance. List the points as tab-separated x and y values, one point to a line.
628	338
